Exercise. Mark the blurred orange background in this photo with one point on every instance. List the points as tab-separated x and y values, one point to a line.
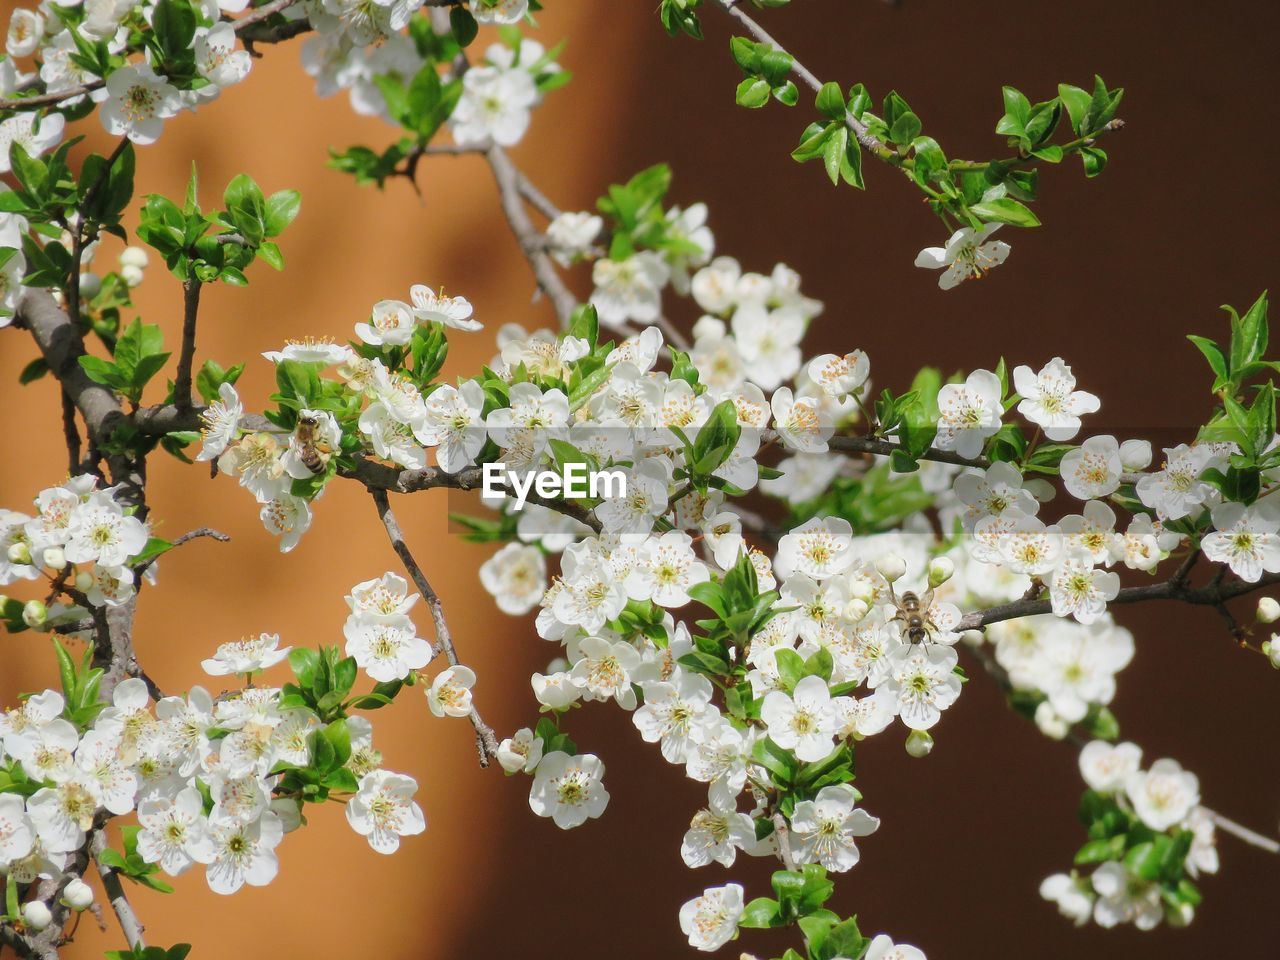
1183	220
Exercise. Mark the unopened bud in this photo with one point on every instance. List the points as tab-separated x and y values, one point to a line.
19	553
134	257
90	285
84	581
892	567
132	276
941	569
863	590
1135	455
919	743
35	613
855	610
36	915
1179	915
1050	723
54	558
1272	649
1268	610
77	895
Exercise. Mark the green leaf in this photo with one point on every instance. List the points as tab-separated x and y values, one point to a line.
753	93
464	26
830	101
833	155
282	208
905	128
761	913
1005	210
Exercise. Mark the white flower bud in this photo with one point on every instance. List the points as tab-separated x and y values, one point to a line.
54	558
1135	455
1179	915
1050	724
35	613
892	567
77	895
1042	490
19	553
90	285
974	638
919	743
1268	610
941	569
855	610
132	276
1272	650
863	590
134	257
36	915
84	580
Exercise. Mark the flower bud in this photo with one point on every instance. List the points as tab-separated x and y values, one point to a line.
90	285
863	590
19	553
1272	649
35	613
1268	610
84	580
1050	724
892	567
973	638
1179	915
1135	455
77	895
132	276
919	743
134	257
855	610
54	558
36	915
941	569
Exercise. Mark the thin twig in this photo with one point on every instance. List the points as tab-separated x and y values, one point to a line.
129	924
784	841
486	741
190	313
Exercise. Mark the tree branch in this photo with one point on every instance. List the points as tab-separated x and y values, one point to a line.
190	313
486	741
129	924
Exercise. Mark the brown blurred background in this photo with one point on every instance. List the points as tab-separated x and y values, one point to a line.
1126	265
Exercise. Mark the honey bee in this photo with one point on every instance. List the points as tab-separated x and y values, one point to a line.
913	614
313	450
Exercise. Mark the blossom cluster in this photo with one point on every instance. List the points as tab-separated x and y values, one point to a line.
1137	816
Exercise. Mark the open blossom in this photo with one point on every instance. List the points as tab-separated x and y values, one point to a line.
920	683
387	596
839	376
244	852
499	11
969	413
26	27
454	425
800	423
883	948
246	656
1124	898
1092	470
17	832
450	692
993	493
1106	767
138	103
824	829
391	323
386	648
606	669
630	289
288	517
521	752
674	712
1245	539
174	832
38	135
819	548
969	254
571	234
1078	590
1176	490
1073	896
1164	795
494	106
569	790
220	422
101	533
803	721
432	307
667	571
516	576
1051	401
711	920
383	810
217	58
